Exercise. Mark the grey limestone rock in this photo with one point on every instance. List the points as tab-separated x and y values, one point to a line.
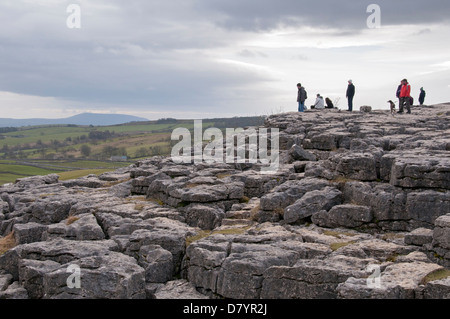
29	182
157	262
441	235
28	233
426	206
299	154
365	109
90	181
397	281
438	289
108	276
439	249
31	275
178	290
419	237
14	291
204	217
350	216
311	203
289	192
312	279
5	281
80	227
415	170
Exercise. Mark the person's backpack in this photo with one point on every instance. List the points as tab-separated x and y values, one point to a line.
306	95
411	101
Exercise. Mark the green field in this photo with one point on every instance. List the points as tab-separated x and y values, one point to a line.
34	151
45	134
43	150
10	171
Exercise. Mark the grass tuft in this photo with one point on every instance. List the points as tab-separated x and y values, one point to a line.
156	201
338	234
6	243
139	207
223	175
244	200
336	246
254	213
279	211
182	204
114	183
71	220
200	235
436	275
206	233
192	185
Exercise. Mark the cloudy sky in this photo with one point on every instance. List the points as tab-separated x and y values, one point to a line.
211	58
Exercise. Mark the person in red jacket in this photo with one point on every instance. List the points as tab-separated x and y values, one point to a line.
405	95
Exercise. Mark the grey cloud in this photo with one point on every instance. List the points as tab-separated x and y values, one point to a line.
252	54
126	47
118	55
176	79
263	15
300	57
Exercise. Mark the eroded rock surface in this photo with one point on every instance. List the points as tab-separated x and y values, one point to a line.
358	208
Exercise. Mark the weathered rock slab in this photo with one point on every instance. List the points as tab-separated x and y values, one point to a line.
350	216
312	203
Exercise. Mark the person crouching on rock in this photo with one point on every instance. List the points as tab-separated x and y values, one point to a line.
301	98
405	97
320	103
330	104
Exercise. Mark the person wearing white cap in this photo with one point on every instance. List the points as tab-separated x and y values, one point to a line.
350	95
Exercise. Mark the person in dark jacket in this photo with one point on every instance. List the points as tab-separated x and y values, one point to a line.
399	89
330	104
422	96
301	98
350	95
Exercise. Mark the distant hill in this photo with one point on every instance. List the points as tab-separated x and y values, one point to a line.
80	119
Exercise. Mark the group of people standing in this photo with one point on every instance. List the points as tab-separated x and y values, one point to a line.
405	98
403	94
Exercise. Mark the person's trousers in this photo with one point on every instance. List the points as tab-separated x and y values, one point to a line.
350	104
301	106
405	101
